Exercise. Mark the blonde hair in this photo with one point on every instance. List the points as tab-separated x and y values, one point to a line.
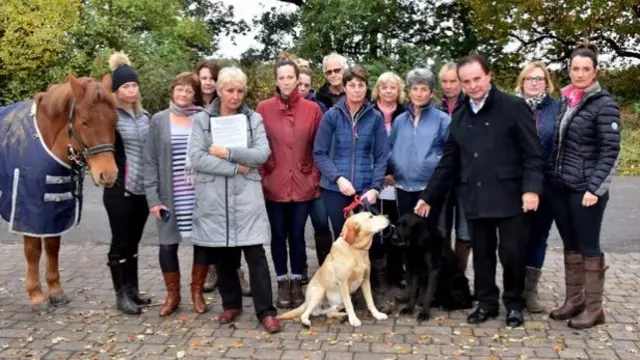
119	58
387	78
231	74
529	68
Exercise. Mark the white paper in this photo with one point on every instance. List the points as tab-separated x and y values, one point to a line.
229	131
388	193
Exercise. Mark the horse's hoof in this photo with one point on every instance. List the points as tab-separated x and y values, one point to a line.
40	307
59	300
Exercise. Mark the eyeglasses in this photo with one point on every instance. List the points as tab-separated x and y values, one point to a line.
334	71
534	79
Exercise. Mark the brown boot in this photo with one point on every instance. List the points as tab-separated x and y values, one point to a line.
284	294
463	249
531	279
198	276
297	297
574	301
211	280
172	282
593	314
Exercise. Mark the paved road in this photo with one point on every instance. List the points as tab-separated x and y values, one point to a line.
621	228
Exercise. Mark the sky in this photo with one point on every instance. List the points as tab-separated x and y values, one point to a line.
246	10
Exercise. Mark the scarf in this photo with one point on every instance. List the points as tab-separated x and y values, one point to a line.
534	102
184	111
188	112
573	95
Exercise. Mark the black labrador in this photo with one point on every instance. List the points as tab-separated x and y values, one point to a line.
432	270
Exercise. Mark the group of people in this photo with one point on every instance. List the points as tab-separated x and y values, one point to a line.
478	161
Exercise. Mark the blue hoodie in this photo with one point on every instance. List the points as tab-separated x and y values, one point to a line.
356	150
416	150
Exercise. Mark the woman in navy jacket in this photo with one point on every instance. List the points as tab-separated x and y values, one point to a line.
351	153
535	85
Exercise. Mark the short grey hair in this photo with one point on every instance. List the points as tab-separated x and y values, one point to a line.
450	66
421	76
231	74
335	56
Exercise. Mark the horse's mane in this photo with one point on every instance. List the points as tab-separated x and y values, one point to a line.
56	99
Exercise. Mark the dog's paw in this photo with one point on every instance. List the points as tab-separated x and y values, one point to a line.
306	322
380	316
423	316
406	311
355	322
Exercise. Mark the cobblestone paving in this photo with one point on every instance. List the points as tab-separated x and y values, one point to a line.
90	328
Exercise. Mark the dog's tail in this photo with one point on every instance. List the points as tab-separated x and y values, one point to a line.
292	314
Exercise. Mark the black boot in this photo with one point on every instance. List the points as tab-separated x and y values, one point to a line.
132	275
124	302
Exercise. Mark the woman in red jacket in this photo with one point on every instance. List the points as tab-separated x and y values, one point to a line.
290	180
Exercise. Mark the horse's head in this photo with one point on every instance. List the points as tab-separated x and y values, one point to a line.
92	127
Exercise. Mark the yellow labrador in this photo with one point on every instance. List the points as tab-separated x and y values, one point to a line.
346	268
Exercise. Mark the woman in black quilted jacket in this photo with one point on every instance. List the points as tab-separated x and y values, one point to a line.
585	155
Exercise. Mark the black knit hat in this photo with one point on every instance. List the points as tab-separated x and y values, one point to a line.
122	75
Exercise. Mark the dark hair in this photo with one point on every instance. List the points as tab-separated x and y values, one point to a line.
474	58
211	65
189	79
285	59
355	72
585	49
306	71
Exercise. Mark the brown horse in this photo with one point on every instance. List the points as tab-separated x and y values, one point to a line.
75	122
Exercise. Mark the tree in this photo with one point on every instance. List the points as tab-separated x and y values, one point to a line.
44	40
33	37
549	30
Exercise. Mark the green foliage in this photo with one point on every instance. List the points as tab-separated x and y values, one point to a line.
41	41
32	41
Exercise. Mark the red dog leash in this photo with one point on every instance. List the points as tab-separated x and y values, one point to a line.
351	207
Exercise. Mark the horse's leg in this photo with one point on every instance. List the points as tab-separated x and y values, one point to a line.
52	249
32	252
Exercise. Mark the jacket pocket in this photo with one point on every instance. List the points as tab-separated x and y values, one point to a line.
507	173
252	175
204	177
305	168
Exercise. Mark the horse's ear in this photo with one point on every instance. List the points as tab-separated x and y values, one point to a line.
349	231
77	89
107	81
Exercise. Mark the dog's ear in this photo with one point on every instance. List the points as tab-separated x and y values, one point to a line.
350	231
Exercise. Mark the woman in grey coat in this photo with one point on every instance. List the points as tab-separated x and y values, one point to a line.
230	213
169	192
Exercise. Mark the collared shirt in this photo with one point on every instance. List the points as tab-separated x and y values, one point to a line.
476	107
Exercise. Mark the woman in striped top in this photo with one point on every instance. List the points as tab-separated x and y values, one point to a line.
170	193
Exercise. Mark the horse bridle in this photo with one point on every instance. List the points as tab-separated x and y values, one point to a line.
79	159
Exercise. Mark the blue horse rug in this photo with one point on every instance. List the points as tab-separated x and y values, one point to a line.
38	192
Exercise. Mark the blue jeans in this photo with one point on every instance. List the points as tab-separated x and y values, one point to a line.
335	203
319	217
539	234
287	221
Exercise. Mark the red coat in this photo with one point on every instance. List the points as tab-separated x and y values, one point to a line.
290	174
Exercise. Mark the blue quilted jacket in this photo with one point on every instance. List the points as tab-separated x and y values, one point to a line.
356	149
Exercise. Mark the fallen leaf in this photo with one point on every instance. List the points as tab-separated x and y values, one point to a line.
195	342
629	328
458	352
333	342
557	348
238	344
180	354
492	357
140	337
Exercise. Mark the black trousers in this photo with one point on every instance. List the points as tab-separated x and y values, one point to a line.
168	255
511	249
127	216
579	226
227	262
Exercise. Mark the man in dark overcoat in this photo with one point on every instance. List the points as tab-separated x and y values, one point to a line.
493	157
